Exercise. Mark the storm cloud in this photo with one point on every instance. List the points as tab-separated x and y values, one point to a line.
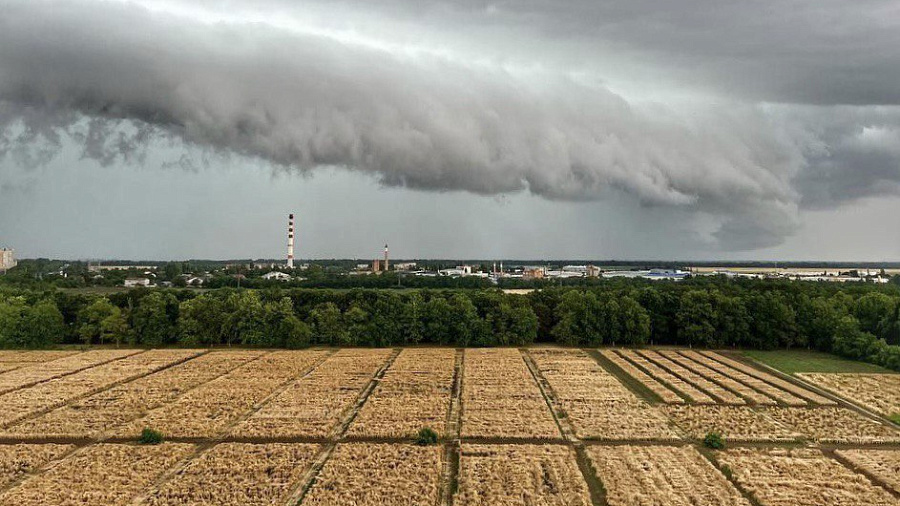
745	115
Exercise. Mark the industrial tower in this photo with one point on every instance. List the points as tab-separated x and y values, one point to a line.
290	254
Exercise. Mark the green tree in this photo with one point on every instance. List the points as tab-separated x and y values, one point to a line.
634	322
42	326
152	320
90	320
696	319
327	325
873	308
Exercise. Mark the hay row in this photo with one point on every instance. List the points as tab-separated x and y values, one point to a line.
500	397
18	460
657	475
801	477
21	403
884	465
754	382
657	387
718	393
378	475
236	474
664	376
596	402
414	393
97	414
720	379
771	379
513	475
876	392
107	474
210	410
44	371
317	403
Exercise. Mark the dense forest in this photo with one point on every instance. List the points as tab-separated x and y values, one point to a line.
860	321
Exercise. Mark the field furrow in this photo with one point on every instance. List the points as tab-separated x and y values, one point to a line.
720	379
771	379
884	465
772	391
19	460
659	388
879	393
667	378
719	393
40	371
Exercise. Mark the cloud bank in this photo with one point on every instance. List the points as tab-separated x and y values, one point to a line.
112	76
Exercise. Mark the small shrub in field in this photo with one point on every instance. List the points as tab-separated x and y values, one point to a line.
150	437
895	417
726	470
426	437
714	440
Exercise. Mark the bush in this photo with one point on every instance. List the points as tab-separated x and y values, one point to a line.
895	417
726	470
426	437
714	440
150	437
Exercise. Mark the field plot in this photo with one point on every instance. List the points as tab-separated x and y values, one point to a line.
801	477
101	412
18	460
661	475
102	474
378	475
34	356
43	371
734	423
520	475
21	403
667	378
834	425
210	409
721	395
316	404
877	392
771	379
414	393
884	465
236	474
716	376
596	402
500	397
756	383
659	388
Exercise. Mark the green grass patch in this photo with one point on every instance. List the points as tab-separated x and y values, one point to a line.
794	361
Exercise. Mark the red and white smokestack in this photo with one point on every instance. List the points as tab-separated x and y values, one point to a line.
385	257
290	256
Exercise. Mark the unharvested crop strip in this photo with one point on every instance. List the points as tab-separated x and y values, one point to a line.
879	393
734	423
39	372
829	424
450	471
771	379
717	392
724	381
667	378
659	389
782	396
559	415
25	403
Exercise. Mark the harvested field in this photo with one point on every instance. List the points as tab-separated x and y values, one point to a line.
596	402
771	379
500	397
772	391
18	460
834	425
520	475
414	393
316	404
718	393
103	474
712	374
36	356
39	371
211	409
735	423
667	378
97	414
876	392
378	475
661	475
659	388
884	465
801	477
237	474
21	403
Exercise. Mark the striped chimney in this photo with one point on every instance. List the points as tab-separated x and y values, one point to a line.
290	254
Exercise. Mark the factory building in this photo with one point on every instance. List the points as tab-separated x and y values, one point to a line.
7	260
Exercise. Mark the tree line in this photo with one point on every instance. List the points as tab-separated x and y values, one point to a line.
857	321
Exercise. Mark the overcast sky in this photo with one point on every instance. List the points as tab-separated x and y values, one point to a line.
702	129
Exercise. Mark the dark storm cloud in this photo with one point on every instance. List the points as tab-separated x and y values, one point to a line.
115	75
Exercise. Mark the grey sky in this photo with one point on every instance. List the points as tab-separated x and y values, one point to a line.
460	128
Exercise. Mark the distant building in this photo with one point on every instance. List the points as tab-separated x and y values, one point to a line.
405	266
7	259
98	268
376	265
280	276
133	282
533	273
